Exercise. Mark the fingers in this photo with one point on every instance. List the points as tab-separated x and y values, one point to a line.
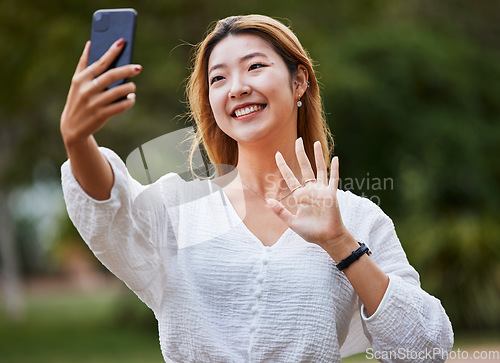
84	72
280	211
286	172
89	105
116	74
334	173
100	66
114	94
305	165
102	114
92	88
82	63
116	108
322	175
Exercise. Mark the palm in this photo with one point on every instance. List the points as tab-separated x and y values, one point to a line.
317	218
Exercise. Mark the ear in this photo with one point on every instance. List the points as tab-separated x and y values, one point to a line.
301	81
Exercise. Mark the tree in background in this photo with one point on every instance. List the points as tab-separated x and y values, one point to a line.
410	89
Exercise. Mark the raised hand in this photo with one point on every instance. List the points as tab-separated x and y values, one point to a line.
89	105
317	217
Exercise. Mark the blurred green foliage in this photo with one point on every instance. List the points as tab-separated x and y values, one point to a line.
411	89
76	327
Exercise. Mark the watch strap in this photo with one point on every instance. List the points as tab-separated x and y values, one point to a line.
354	256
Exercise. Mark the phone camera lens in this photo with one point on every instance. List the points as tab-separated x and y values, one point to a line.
101	21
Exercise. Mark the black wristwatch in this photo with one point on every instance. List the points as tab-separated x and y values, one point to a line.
355	255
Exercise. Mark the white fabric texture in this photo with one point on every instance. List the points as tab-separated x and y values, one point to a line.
220	295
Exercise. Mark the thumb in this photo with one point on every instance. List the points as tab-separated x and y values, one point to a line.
280	211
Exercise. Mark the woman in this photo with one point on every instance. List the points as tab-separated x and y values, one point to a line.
277	269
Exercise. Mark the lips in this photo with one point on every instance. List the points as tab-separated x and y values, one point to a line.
247	109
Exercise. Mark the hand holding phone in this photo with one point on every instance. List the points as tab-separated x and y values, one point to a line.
109	25
98	89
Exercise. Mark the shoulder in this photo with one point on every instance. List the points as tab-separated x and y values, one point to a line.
164	191
368	223
362	214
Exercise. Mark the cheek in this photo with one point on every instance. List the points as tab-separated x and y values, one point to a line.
283	97
216	102
217	97
278	86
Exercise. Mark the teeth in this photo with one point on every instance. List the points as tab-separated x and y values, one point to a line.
245	111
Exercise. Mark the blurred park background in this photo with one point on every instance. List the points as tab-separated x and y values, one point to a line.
412	94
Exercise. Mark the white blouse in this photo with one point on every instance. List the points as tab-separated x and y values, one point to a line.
220	295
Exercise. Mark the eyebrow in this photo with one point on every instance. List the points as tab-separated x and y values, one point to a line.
243	59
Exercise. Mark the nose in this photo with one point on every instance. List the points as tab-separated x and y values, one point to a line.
239	88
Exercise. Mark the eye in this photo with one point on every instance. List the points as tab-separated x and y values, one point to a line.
256	66
216	79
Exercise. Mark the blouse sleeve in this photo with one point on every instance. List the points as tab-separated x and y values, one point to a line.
125	231
409	324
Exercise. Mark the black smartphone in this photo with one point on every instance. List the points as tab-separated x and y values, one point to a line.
109	25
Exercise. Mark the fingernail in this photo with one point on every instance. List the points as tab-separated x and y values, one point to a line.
137	68
131	96
119	43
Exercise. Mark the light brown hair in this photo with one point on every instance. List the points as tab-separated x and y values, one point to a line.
311	125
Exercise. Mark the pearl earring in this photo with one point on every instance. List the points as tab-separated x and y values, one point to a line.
299	103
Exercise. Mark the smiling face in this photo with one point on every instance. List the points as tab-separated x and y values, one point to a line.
251	91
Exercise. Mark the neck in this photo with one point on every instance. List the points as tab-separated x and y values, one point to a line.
258	170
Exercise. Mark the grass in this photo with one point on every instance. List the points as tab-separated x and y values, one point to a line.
82	327
75	327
